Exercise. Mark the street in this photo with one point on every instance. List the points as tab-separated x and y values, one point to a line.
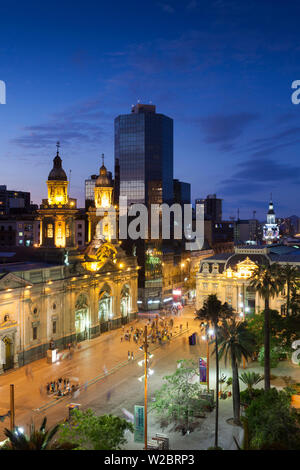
112	385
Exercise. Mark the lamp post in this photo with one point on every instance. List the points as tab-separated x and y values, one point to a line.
207	362
146	385
208	334
12	407
147	370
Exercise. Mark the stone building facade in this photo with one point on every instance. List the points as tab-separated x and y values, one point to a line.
227	275
65	295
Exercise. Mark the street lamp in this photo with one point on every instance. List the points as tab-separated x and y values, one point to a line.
146	371
209	332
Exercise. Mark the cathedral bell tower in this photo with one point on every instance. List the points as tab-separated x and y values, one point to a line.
57	213
103	206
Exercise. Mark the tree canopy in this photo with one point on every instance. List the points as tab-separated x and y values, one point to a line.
90	432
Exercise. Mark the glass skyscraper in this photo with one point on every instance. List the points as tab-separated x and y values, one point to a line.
144	164
144	150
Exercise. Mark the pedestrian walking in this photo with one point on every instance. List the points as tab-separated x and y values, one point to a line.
132	356
129	355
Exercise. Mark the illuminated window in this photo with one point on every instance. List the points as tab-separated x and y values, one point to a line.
50	231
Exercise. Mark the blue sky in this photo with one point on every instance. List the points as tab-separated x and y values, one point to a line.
221	69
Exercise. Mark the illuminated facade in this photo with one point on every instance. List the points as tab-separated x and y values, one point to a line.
40	302
74	296
103	196
57	213
227	275
271	229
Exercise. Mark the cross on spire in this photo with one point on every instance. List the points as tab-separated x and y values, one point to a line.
57	146
102	156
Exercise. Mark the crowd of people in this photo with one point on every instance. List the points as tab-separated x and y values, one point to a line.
158	331
61	387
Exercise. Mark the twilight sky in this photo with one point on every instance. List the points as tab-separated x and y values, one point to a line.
222	69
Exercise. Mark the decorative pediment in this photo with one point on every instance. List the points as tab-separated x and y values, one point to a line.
244	269
11	281
99	254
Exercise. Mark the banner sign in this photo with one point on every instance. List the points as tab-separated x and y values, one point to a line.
139	423
203	371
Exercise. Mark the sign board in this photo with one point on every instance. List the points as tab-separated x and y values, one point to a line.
203	371
139	423
176	292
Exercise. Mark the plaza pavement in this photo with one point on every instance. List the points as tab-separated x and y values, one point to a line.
120	389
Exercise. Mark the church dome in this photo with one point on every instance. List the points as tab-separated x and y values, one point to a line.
103	179
57	173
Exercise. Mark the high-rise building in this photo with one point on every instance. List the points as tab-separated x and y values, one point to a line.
144	153
182	192
144	164
212	207
89	188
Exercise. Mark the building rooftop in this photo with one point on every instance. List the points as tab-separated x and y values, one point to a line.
23	266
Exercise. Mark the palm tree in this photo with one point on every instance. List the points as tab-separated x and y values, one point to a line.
212	312
235	343
37	440
268	282
290	276
250	379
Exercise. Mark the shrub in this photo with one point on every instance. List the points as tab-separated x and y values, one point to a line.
248	395
274	357
273	424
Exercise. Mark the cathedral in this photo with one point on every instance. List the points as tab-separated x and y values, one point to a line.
65	294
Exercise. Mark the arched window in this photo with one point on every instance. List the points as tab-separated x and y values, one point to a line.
125	301
105	304
81	317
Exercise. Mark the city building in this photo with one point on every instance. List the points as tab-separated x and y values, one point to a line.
144	174
246	231
271	228
144	154
18	230
212	207
227	276
219	236
13	202
89	186
182	192
61	293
